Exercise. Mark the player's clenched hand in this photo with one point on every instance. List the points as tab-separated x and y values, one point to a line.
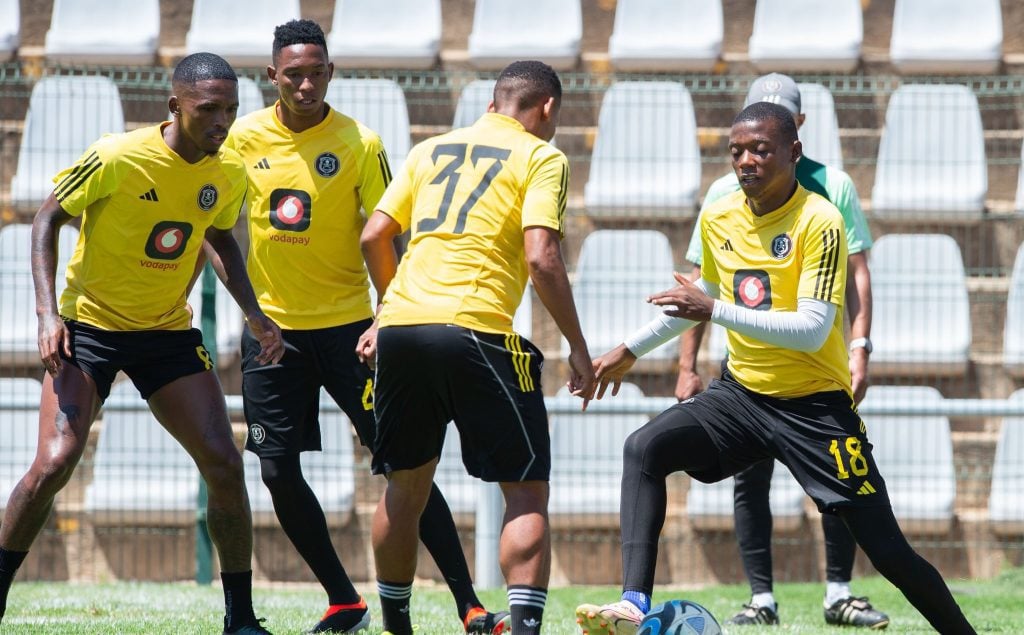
688	384
581	375
611	367
859	373
366	347
687	300
269	336
53	337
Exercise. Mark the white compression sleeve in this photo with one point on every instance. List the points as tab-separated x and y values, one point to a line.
805	329
663	328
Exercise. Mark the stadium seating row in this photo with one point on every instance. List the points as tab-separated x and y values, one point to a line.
646	158
141	475
648	35
921	326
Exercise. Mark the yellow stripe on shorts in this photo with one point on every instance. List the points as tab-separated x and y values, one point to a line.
520	361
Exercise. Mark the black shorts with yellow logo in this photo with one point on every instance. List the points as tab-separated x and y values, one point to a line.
282	401
151	359
820	437
487	383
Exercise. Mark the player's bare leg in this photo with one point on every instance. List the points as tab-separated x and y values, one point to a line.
396	540
67	410
525	552
192	409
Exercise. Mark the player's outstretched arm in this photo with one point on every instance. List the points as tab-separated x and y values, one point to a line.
611	367
236	280
689	382
52	335
543	249
381	255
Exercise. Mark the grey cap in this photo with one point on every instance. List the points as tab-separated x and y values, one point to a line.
775	88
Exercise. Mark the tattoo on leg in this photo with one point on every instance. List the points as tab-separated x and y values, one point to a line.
65	415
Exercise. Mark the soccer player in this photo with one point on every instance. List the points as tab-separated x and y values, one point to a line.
752	510
312	170
485	207
785	393
147	200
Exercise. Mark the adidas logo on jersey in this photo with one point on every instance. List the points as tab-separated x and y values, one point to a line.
263	164
727	245
865	489
150	195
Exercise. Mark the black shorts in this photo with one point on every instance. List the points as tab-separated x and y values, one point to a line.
151	359
820	437
282	401
489	384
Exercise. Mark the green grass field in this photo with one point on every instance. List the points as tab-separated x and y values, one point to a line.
994	606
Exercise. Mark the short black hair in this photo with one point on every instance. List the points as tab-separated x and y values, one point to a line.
527	83
298	32
202	66
760	111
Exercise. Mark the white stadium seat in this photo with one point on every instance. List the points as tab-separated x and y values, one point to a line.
806	35
230	321
473	101
18	335
243	36
65	115
922	322
666	35
1006	500
385	33
10	28
81	32
330	473
380	105
250	97
508	30
971	39
1013	328
646	157
915	456
923	174
19	433
140	472
617	269
820	132
586	457
710	506
522	320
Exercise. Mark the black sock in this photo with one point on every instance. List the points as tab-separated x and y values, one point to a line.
9	563
237	599
394	604
302	519
526	604
441	538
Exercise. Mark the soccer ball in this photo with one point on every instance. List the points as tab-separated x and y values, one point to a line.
679	617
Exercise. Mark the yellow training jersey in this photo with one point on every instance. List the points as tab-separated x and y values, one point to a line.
767	263
307	195
467	196
145	211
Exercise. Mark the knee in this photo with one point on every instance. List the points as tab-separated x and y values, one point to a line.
52	471
280	475
222	468
633	449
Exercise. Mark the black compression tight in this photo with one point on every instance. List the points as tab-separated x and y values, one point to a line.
303	521
878	534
